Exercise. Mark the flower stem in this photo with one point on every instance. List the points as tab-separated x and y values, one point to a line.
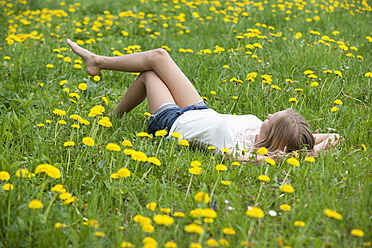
215	185
188	188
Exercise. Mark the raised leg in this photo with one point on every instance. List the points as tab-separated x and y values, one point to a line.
148	84
158	61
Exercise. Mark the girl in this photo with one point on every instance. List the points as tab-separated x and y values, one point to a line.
175	105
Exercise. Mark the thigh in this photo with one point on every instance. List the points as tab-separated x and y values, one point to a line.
157	92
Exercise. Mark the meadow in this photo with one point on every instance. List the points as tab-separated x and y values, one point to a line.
72	177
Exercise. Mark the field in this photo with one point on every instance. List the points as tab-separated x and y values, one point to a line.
71	178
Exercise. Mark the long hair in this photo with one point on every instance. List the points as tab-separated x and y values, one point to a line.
289	132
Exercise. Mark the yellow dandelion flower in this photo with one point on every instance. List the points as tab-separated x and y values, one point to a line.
154	161
8	187
65	196
264	178
195	170
151	206
193	228
59	112
255	212
332	214
96	78
176	135
226	183
229	231
310	159
285	207
165	210
69	143
292	99
48	169
123	172
163	220
82	86
139	156
35	204
126	143
183	142
161	133
337	101
287	188
270	161
4	176
299	223
195	163
221	167
262	151
143	134
200	196
334	109
88	141
293	161
212	243
364	147
59	188
113	147
179	214
357	232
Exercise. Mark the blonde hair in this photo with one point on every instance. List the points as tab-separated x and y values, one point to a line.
289	132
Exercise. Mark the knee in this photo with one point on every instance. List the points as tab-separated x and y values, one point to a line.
159	54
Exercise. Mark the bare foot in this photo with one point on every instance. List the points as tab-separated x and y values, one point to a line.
88	57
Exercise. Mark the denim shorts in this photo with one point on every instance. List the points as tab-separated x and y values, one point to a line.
167	114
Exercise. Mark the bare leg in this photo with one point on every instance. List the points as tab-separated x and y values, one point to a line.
158	60
148	84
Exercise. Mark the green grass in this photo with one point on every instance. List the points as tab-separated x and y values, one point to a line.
340	181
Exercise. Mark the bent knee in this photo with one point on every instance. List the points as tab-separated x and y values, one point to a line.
158	55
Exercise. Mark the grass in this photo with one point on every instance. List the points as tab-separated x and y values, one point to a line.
30	92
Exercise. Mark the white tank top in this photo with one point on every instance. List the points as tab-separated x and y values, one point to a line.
220	130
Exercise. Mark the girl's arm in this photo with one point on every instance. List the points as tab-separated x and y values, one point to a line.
324	141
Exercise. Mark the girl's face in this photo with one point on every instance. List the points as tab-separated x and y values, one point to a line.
267	124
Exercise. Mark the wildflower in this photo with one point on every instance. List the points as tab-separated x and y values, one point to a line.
48	169
225	150
195	170
195	163
270	161
127	143
129	152
170	244
364	147
264	178
161	133
235	163
357	232
212	243
255	212
62	122
74	95
139	156
96	110
154	161
75	117
70	200
338	73
229	231
143	134
88	141
105	99
310	159
332	214
298	35
124	172
69	143
113	147
299	89
35	204
200	196
63	82
59	112
105	122
337	101
213	92
292	99
299	223
226	183
226	66
334	109
314	84
221	167
368	74
183	142
293	161
195	245
65	196
92	223
179	214
50	66
276	87
165	210
151	206
176	135
99	234
224	242
40	125
262	151
59	188
20	173
212	148
96	78
193	228
59	225
287	188
48	121
308	72
82	86
75	126
4	176
285	207
125	244
163	220
8	187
